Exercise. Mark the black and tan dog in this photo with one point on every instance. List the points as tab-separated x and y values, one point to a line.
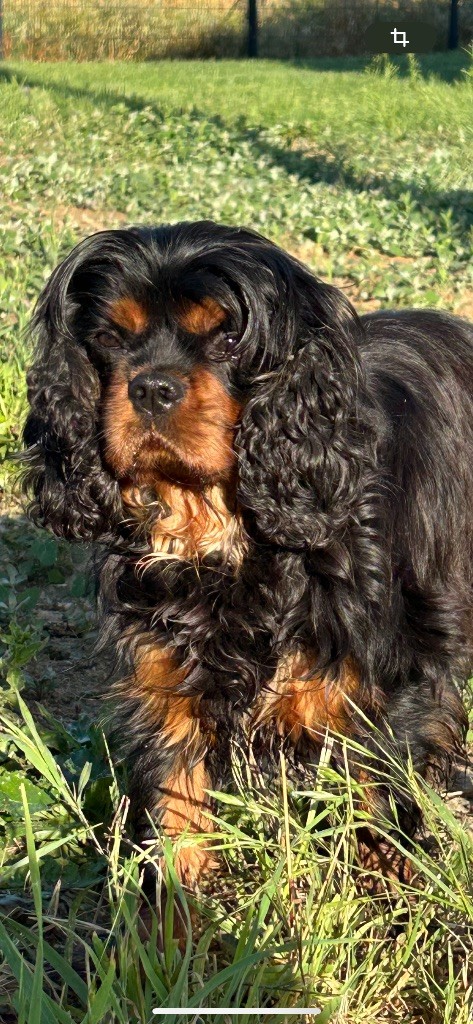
284	491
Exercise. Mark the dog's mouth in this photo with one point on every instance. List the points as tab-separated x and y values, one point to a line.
154	450
153	442
145	451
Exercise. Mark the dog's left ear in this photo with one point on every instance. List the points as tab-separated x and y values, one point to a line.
305	445
73	494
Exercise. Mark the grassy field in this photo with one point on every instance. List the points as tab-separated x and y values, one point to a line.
365	171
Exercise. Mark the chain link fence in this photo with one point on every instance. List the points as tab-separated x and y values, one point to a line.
146	30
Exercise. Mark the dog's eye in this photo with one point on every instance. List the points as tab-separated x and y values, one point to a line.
107	340
231	342
224	346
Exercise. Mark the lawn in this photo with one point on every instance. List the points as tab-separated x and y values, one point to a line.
364	170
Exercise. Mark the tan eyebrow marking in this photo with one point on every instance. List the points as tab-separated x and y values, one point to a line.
129	314
201	317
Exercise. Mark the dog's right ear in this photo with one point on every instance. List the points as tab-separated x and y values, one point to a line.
73	493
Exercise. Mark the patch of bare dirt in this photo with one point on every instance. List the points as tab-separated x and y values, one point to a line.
460	795
464	306
66	675
85	219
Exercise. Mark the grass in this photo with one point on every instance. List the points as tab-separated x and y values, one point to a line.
364	171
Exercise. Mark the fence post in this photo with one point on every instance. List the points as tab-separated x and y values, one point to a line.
1	29
252	28
453	26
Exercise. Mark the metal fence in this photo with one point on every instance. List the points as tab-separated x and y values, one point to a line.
149	30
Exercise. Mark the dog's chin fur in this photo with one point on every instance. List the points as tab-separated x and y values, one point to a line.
299	546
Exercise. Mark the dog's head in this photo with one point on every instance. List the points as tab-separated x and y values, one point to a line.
187	358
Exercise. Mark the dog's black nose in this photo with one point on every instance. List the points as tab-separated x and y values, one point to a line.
155	392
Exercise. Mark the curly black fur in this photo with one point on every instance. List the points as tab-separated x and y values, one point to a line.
354	481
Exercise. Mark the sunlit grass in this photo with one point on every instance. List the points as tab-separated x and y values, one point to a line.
269	930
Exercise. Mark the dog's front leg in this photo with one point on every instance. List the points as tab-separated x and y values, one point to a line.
170	774
184	815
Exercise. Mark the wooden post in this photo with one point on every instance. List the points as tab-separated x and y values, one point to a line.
252	28
453	26
1	29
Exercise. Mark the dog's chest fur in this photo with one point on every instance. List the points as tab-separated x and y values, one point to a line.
188	525
211	592
226	623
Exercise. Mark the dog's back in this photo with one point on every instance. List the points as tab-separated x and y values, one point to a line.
419	364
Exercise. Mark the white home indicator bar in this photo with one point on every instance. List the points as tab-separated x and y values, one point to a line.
233	1011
